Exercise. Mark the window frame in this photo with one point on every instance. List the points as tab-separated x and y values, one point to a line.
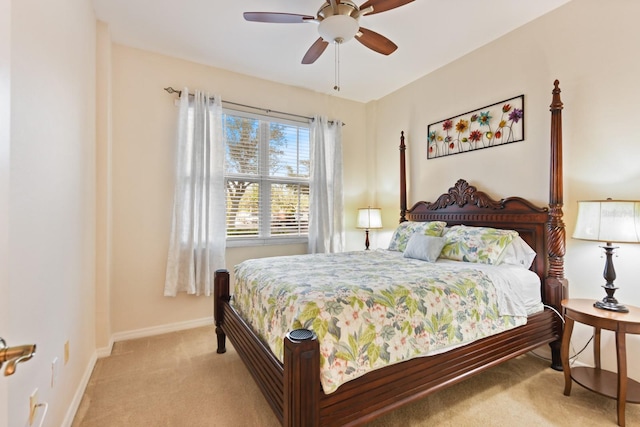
264	237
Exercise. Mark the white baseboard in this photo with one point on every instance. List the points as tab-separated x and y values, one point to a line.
152	331
77	397
106	351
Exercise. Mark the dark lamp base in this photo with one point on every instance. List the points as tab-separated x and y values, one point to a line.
611	306
610	302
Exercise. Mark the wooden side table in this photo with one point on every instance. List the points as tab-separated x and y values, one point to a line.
617	386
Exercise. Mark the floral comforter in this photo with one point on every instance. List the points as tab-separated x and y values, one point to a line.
369	309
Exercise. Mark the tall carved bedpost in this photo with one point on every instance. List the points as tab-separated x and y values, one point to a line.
403	179
555	283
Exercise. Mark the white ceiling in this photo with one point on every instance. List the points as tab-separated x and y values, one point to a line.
429	34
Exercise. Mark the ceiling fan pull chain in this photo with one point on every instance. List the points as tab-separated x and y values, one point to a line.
336	87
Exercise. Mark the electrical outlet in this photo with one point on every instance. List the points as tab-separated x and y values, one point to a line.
33	402
66	352
54	371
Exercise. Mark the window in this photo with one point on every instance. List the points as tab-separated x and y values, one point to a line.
266	178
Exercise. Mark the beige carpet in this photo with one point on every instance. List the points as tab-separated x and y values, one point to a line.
177	380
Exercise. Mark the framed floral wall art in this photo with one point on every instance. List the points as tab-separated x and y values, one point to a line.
496	124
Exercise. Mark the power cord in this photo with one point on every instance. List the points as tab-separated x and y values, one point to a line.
555	311
46	407
573	358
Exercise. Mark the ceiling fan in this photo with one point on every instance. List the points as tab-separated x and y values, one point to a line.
338	22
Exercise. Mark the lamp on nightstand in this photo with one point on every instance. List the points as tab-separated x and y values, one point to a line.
609	221
369	218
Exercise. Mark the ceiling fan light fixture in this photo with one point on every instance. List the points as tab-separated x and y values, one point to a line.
338	28
338	22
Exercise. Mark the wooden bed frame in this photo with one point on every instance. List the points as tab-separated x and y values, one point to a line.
293	389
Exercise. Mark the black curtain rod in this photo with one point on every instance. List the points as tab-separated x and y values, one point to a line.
266	110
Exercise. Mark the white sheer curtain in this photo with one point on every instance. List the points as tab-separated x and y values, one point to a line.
198	234
326	212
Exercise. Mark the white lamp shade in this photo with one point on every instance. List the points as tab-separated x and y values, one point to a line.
369	218
608	221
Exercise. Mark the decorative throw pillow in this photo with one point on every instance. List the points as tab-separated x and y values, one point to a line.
518	253
405	230
476	244
426	248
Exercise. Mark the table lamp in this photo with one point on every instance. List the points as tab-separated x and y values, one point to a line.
609	221
369	218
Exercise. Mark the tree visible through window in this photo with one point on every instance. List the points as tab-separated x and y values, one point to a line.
266	176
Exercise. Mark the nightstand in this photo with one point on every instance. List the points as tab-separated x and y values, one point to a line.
617	386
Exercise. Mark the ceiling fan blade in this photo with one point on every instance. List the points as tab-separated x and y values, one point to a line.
375	41
278	18
315	51
383	5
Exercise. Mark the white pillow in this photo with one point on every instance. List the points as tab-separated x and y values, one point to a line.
518	253
426	248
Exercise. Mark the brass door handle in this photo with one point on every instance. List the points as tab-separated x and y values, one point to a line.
14	355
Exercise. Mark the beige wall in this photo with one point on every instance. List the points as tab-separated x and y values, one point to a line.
590	46
5	122
51	202
143	146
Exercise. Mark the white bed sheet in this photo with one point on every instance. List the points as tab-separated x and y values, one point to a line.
518	289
